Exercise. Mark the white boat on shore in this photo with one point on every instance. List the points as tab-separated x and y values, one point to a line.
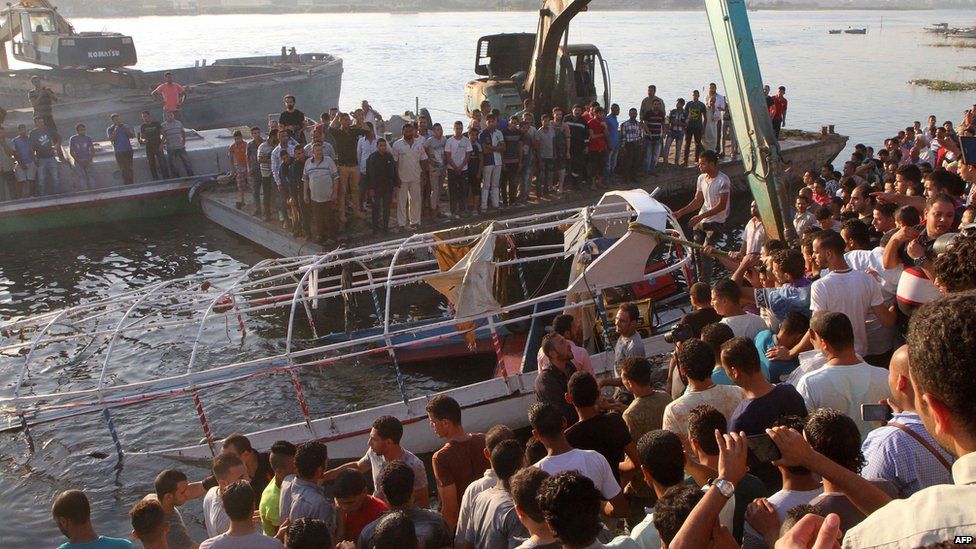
493	288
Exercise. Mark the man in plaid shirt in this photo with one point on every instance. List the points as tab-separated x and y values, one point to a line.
630	133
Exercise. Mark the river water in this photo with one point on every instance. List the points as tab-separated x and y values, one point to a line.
857	83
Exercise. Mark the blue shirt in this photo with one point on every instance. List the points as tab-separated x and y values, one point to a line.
776	371
102	542
895	456
23	150
613	131
80	146
122	137
785	299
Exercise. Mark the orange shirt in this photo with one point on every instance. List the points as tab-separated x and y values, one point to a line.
239	153
370	511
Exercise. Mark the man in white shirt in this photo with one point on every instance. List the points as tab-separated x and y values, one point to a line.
753	235
548	425
321	178
843	289
457	153
227	469
238	503
845	381
696	360
411	159
725	300
712	201
364	148
804	217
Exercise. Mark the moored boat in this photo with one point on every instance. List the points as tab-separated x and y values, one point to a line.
477	283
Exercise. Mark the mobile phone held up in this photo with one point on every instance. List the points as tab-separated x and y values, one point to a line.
763	448
876	412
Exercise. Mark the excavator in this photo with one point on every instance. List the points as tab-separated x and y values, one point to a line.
546	68
38	34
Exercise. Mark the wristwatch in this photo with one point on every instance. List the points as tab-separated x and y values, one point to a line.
725	487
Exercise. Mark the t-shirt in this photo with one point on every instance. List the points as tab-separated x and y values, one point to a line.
457	149
355	522
850	516
491	139
23	150
785	299
42	141
755	415
700	318
754	236
613	131
173	132
215	519
598	135
712	191
544	137
782	501
103	542
123	134
724	398
696	114
851	292
604	433
471	493
494	522
430	527
513	140
628	346
845	388
378	462
408	158
588	463
42	101
291	120
654	125
460	462
152	134
745	325
268	508
775	371
301	498
434	147
80	147
645	414
178	536
257	540
321	177
239	154
171	95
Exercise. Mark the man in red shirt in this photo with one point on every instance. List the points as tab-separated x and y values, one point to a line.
777	111
356	507
172	95
597	147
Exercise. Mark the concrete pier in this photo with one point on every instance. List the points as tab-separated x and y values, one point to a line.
800	150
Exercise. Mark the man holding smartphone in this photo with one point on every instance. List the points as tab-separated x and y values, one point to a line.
902	451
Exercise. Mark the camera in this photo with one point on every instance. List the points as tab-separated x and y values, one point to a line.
678	333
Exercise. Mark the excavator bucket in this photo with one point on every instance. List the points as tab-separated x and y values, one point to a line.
750	118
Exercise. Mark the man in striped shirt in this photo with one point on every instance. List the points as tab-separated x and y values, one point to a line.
630	134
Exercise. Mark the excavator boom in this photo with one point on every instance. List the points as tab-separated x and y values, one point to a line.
746	101
554	19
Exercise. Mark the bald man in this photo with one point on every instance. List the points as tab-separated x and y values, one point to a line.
902	452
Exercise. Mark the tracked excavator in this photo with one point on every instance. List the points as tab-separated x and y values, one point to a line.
38	34
548	69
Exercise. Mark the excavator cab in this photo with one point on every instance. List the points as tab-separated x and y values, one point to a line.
39	35
583	76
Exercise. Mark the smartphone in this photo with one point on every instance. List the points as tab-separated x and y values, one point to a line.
763	448
876	412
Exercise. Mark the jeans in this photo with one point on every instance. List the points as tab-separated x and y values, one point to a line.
544	182
612	160
85	178
509	183
696	134
677	147
172	155
381	208
47	176
265	184
705	233
154	155
652	151
457	190
124	160
489	186
525	175
777	125
632	159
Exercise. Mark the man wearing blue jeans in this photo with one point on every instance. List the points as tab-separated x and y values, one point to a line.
653	136
43	142
613	140
677	120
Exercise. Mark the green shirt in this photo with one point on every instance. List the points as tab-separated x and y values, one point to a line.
269	508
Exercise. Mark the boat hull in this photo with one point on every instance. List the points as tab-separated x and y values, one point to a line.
141	201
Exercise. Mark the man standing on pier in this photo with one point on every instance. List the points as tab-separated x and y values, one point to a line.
172	95
321	177
712	196
346	139
778	110
43	143
696	126
411	162
151	137
293	119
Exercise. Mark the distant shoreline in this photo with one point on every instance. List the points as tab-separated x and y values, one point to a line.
287	10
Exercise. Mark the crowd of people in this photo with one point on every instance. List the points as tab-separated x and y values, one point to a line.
820	396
